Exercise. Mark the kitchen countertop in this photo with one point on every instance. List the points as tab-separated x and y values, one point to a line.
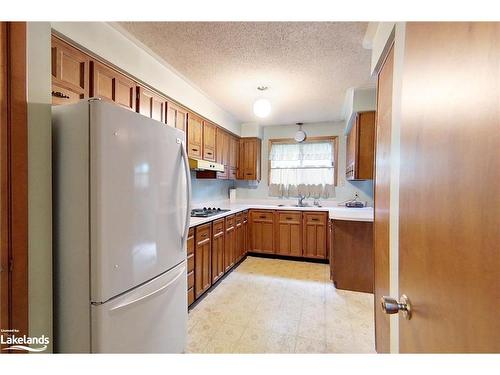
335	212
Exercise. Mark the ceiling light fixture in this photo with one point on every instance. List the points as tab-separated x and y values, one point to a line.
262	106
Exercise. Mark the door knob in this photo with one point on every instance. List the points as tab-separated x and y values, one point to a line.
392	306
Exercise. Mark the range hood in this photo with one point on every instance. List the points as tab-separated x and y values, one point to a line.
203	165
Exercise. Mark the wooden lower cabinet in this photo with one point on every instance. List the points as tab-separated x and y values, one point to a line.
289	233
202	259
229	242
262	231
245	232
218	236
190	265
315	227
240	239
352	255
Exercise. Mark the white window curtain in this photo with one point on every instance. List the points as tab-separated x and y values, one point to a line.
302	169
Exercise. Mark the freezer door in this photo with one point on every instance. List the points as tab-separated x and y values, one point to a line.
138	199
151	318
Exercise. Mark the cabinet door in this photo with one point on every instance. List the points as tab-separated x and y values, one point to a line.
239	238
315	234
194	136
249	160
70	73
190	264
352	138
202	259
234	150
150	104
218	235
110	85
289	233
176	116
229	243
222	152
262	231
246	244
209	135
366	146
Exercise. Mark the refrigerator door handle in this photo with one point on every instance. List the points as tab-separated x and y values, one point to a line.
188	194
128	303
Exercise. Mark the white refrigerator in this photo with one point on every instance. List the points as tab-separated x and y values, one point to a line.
121	193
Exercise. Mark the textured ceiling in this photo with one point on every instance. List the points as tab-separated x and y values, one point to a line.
307	66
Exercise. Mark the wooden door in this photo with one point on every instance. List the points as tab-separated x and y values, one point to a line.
209	142
229	243
222	147
108	84
195	136
218	232
70	73
176	116
13	179
289	233
202	259
262	231
449	258
314	236
151	104
382	199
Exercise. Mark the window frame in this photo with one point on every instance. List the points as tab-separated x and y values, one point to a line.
334	139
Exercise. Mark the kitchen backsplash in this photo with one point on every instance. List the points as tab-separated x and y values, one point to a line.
208	190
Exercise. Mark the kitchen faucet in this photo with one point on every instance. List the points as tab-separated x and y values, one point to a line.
301	199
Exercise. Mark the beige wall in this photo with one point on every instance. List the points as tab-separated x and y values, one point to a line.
345	189
39	180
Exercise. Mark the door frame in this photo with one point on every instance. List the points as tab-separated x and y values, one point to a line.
13	178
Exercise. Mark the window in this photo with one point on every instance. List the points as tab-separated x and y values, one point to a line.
308	164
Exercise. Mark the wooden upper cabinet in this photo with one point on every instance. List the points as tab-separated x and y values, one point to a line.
151	104
70	73
360	147
315	226
234	153
262	231
195	136
108	84
249	160
176	116
209	141
222	138
289	233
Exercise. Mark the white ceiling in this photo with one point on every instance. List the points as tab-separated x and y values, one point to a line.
308	66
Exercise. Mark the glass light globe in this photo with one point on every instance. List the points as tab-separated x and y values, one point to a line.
262	108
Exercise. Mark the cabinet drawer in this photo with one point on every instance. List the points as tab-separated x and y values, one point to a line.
229	221
190	279
239	219
290	217
218	227
318	218
190	262
190	242
190	293
262	215
203	232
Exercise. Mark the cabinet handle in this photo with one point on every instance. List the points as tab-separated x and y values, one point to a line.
209	153
289	218
59	94
262	217
194	149
315	219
